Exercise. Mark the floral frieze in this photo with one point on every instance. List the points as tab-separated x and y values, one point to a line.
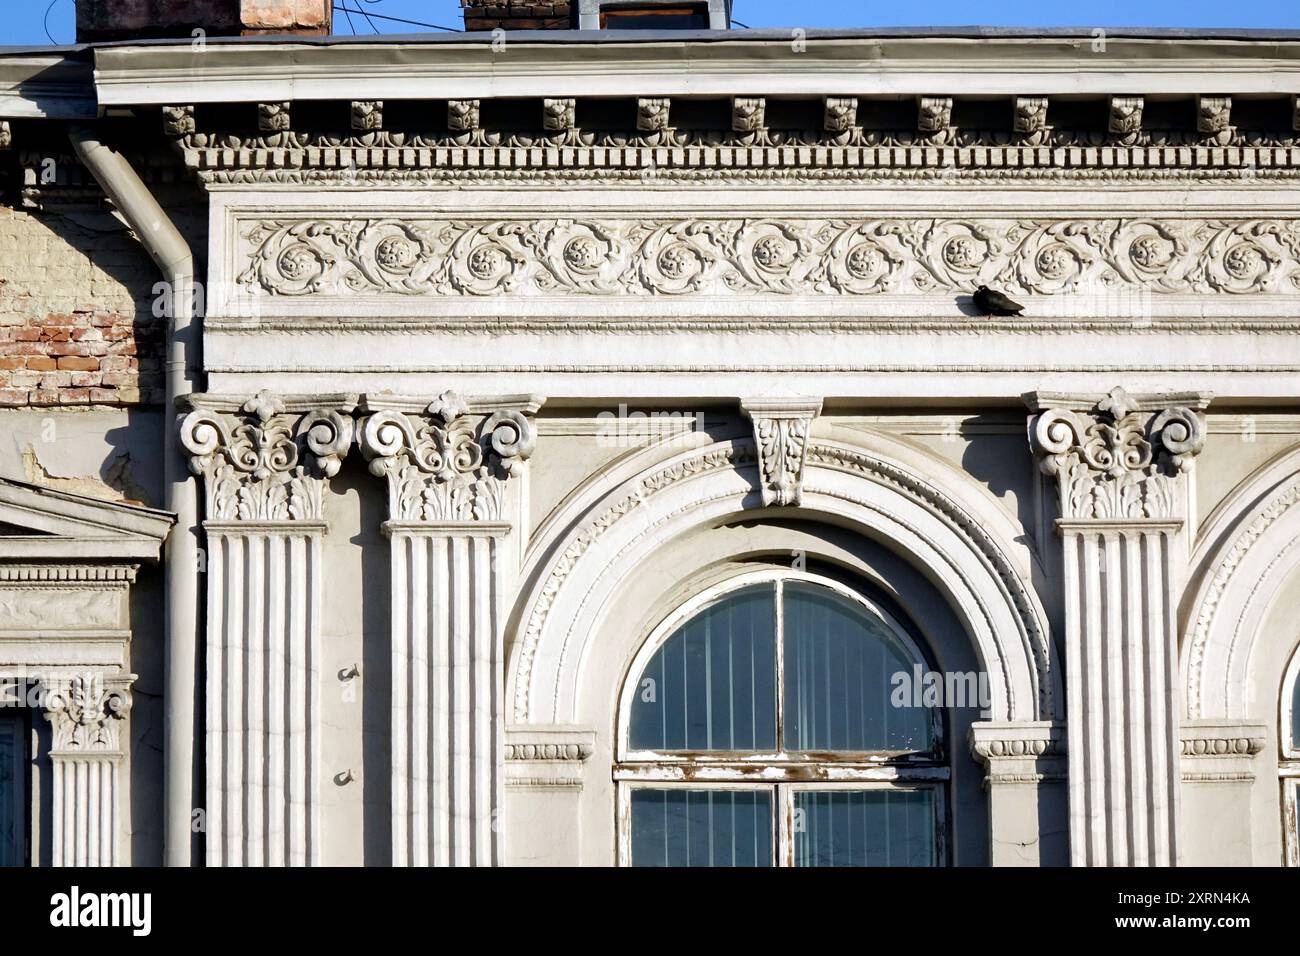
535	257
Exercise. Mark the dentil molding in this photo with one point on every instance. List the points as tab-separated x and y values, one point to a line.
355	256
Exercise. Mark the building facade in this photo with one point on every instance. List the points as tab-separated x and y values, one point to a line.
572	448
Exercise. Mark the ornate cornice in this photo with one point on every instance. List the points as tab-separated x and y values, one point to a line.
85	712
296	257
1115	460
357	170
261	462
781	434
445	464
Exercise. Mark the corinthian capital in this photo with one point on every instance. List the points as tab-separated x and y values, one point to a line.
448	460
263	460
85	712
1118	457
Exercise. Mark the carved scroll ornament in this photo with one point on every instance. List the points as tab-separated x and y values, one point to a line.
260	463
447	464
1116	462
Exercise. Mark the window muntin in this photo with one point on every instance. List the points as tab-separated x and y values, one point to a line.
839	661
877	769
776	659
712	684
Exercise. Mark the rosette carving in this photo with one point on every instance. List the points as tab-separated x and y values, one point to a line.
446	464
794	256
1116	461
85	712
261	463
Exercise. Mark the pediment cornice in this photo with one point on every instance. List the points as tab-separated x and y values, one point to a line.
49	525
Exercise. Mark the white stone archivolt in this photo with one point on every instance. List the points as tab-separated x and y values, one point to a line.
1247	551
957	537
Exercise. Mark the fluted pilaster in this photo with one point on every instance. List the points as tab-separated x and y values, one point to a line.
264	467
86	713
447	469
1120	468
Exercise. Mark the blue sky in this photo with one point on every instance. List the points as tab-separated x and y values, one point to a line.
25	21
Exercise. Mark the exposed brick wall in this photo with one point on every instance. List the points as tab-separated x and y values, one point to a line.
517	15
138	19
76	315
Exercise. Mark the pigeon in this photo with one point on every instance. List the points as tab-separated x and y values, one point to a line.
993	303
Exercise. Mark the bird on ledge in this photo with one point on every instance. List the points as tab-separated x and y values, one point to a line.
991	303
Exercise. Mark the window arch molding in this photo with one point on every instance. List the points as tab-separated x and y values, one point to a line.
955	534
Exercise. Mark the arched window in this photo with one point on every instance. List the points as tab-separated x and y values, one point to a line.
1289	768
775	721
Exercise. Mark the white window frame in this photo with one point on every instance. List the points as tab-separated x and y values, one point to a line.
1289	767
783	772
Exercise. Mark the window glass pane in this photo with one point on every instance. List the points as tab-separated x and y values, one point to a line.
701	827
712	685
11	795
1295	716
839	662
864	828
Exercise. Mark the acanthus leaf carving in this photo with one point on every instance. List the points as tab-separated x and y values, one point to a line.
1117	461
85	712
781	436
261	463
794	256
446	464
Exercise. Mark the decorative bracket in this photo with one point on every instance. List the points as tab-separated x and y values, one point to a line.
463	115
934	115
273	117
178	120
1125	117
653	114
559	115
781	434
367	115
748	114
840	114
1030	118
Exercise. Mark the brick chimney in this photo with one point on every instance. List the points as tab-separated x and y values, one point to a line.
142	19
517	14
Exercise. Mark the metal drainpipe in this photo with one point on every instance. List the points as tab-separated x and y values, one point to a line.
168	248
